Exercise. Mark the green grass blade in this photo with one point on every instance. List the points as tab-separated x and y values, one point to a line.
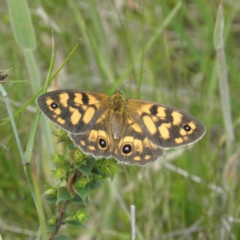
34	188
223	78
30	143
22	24
20	149
89	36
153	39
32	68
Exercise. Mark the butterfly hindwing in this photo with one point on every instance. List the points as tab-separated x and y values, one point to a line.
96	141
134	147
74	111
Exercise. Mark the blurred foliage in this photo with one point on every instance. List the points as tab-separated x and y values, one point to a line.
197	200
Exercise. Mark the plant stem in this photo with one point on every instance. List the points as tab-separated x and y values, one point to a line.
61	211
63	206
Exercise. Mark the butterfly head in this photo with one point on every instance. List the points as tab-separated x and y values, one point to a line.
118	92
117	101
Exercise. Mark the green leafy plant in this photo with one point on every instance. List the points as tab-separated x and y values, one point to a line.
76	175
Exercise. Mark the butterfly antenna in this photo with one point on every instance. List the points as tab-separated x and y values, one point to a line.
132	79
93	68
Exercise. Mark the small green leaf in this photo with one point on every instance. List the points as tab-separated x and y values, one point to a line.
50	228
78	200
107	168
86	169
67	156
51	221
78	218
51	191
81	215
63	195
61	134
50	195
94	184
50	199
113	168
59	173
82	192
70	147
79	156
57	159
81	182
75	223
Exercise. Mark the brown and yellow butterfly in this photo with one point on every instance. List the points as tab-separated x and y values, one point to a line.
133	131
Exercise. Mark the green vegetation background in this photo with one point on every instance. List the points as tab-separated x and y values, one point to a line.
191	193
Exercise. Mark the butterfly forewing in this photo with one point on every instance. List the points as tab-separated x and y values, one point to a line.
165	126
74	111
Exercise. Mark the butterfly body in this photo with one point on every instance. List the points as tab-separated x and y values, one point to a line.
133	131
117	113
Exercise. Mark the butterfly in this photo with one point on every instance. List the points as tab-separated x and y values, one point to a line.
133	131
